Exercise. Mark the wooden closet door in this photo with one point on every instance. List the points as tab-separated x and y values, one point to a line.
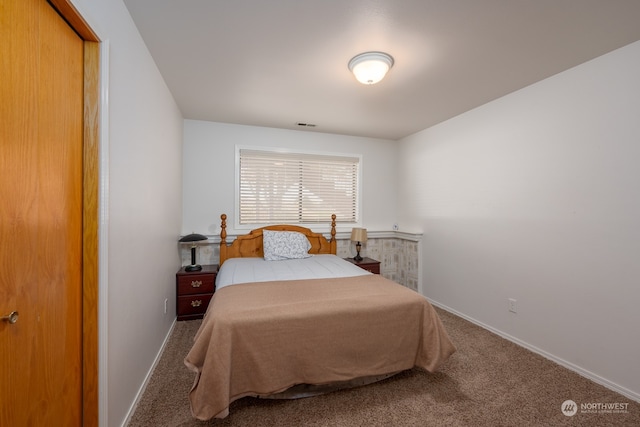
41	137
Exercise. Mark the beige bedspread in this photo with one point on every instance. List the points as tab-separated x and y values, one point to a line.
262	338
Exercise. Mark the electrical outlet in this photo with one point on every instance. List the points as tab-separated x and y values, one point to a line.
166	303
512	305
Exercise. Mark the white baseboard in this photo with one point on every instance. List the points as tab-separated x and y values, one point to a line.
577	369
143	387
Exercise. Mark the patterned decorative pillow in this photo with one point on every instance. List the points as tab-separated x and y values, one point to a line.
279	245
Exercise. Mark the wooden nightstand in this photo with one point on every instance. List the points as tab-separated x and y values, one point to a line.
368	264
194	290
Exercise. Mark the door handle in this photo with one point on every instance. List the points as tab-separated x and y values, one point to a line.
11	317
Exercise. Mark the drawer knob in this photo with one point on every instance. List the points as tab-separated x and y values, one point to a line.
196	283
196	303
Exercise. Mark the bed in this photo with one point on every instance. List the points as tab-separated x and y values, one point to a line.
289	319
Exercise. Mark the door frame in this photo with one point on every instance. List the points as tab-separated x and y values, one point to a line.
91	249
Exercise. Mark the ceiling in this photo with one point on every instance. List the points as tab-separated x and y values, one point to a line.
283	62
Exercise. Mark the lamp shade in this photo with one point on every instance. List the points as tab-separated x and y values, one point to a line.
194	237
359	235
370	67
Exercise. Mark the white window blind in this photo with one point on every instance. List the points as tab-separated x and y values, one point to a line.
277	187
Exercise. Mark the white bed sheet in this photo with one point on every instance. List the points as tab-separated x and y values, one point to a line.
248	270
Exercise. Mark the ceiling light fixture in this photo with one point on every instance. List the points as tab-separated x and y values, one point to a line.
370	67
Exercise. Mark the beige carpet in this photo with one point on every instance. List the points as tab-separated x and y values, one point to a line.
488	382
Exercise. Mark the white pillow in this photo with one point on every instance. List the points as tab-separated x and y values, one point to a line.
279	245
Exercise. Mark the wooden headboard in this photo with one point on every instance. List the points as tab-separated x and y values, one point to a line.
250	245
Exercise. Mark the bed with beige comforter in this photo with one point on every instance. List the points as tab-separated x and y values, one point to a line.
262	338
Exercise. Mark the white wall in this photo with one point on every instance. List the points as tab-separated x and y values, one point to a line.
209	171
144	216
536	196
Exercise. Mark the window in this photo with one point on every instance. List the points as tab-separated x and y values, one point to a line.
287	187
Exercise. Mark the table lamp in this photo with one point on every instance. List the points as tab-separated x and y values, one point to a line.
358	235
193	238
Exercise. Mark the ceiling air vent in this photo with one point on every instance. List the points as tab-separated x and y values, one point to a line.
307	125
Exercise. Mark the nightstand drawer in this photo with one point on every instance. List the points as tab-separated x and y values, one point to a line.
193	304
372	268
196	284
369	264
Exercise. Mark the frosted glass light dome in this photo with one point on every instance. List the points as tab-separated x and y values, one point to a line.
370	67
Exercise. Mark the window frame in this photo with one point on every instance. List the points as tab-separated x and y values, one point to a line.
315	226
